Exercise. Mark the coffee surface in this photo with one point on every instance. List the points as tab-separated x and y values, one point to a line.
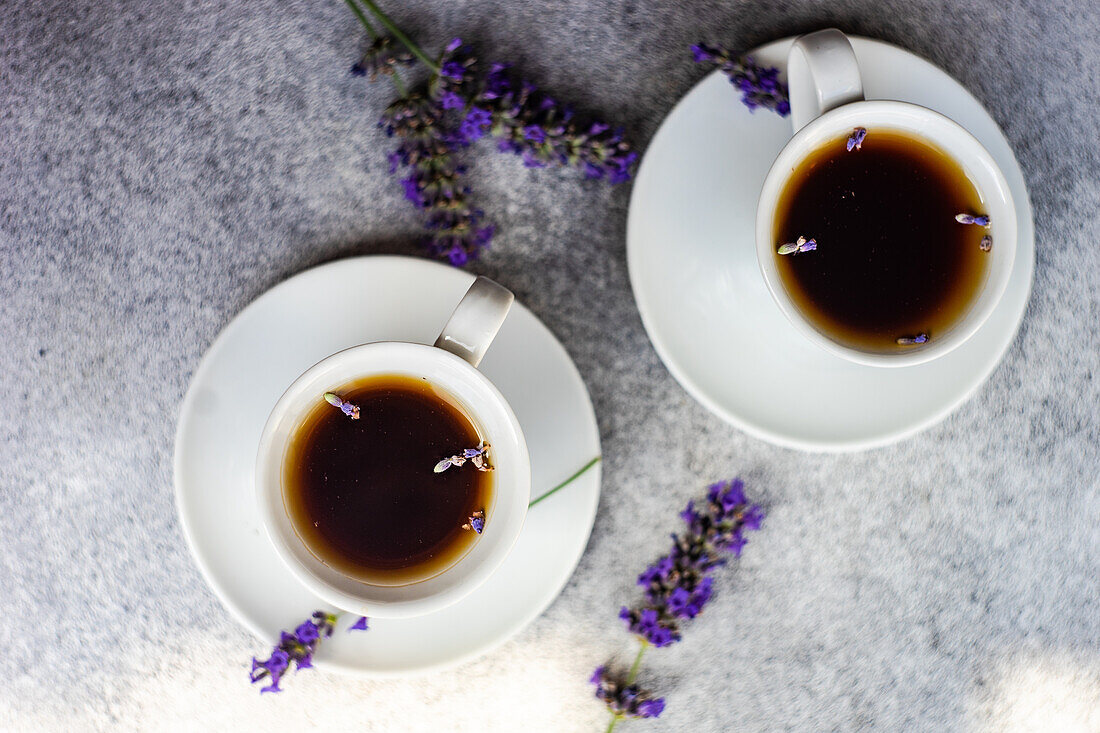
891	261
362	494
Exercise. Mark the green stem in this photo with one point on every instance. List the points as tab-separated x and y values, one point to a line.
400	35
399	85
633	674
362	19
630	677
567	481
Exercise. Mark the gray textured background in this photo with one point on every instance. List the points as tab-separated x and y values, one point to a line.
163	163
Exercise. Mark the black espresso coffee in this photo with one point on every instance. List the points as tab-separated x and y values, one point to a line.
362	494
892	265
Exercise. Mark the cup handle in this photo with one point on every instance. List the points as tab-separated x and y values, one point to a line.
822	74
476	320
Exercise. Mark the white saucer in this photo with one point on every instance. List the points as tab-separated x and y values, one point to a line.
693	268
315	314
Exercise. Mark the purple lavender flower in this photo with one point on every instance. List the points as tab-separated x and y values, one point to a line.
298	648
855	140
677	585
648	625
451	100
986	244
625	700
360	625
347	408
475	123
979	219
452	70
759	85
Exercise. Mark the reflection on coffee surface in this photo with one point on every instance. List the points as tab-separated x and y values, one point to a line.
880	240
361	487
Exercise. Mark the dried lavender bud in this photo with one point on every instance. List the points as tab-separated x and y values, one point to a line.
347	408
478	456
382	57
476	522
625	700
855	140
920	338
802	245
986	244
360	625
759	85
980	219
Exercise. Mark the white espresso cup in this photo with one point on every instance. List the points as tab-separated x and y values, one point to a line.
449	365
826	95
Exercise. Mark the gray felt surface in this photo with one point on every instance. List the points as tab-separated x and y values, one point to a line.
163	163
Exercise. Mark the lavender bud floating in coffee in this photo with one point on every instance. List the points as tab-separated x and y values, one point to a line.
476	522
478	456
986	244
347	408
978	219
801	245
920	338
855	140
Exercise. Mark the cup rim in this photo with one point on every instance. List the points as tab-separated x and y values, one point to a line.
508	510
980	164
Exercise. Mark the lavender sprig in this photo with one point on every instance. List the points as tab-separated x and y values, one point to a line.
297	648
759	85
478	456
458	108
527	122
347	408
679	584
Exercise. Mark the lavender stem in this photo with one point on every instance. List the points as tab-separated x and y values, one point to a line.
362	19
633	674
567	481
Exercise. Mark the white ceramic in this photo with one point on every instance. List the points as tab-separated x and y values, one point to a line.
450	366
691	249
320	312
826	94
